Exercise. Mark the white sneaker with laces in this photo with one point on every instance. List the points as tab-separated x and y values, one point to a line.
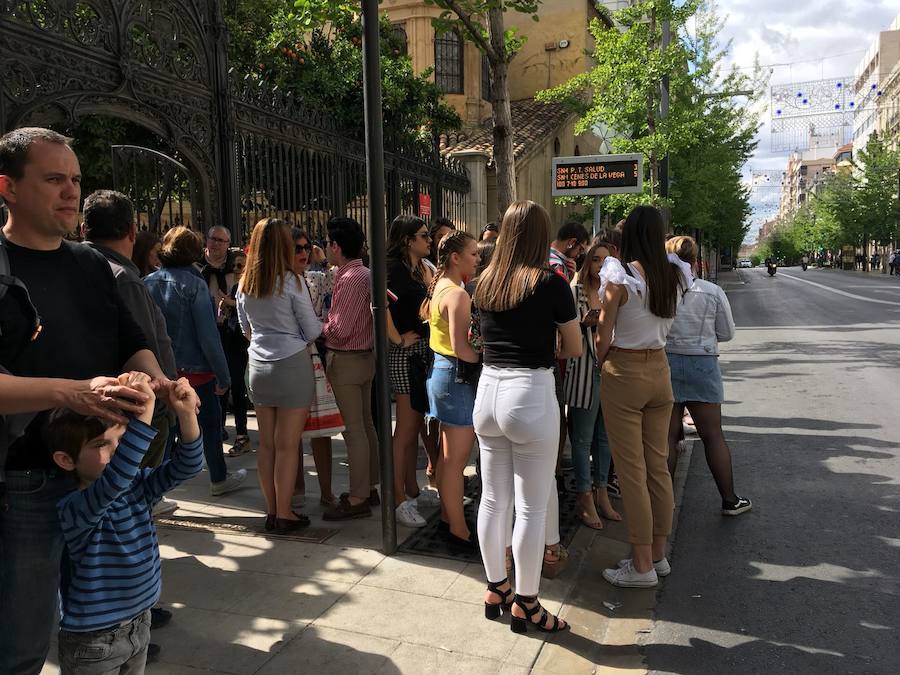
428	498
231	483
408	514
662	567
628	577
164	506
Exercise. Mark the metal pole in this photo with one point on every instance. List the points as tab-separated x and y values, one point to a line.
598	215
376	228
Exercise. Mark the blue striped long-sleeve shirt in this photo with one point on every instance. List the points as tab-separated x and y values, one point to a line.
113	553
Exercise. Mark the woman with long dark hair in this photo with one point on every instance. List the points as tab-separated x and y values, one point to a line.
523	306
693	352
408	278
277	316
639	304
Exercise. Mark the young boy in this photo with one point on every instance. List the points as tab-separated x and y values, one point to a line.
113	575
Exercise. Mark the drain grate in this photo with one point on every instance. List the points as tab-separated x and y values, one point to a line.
429	541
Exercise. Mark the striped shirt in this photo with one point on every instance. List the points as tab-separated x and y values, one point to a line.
113	571
349	324
579	381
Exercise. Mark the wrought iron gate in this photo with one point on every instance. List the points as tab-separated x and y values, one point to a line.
160	187
244	149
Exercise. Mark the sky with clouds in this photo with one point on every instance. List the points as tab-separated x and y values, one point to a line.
819	39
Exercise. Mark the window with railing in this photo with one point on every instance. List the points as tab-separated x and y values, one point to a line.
485	78
448	62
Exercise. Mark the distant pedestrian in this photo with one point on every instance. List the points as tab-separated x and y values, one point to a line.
892	262
703	320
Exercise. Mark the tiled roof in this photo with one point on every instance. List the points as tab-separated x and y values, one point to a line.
533	123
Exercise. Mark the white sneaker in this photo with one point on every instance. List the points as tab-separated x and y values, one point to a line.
628	577
662	567
408	514
164	506
231	483
428	498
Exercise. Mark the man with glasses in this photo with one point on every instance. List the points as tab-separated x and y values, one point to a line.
218	262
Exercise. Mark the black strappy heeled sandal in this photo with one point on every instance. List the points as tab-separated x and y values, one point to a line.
493	611
520	624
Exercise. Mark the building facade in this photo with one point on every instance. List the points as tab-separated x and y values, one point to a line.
869	82
556	48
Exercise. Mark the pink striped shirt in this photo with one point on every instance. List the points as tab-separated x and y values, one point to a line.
349	324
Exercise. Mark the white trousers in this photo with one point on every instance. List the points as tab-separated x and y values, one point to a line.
516	420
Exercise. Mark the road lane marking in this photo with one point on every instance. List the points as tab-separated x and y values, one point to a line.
839	292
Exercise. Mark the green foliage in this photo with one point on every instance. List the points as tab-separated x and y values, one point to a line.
623	89
756	259
313	49
877	199
851	208
707	135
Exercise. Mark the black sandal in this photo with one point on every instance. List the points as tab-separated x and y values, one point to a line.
493	611
520	624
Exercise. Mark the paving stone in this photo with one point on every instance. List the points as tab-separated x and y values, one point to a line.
415	574
422	620
326	651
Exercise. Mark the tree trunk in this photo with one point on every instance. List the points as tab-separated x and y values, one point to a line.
504	157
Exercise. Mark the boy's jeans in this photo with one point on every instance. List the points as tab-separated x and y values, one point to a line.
31	545
121	650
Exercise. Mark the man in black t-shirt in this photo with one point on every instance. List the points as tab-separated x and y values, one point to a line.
87	337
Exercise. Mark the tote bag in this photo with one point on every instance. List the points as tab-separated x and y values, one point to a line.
324	419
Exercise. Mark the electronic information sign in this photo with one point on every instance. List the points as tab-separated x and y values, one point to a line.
598	175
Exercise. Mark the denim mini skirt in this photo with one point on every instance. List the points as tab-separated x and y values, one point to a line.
696	378
449	401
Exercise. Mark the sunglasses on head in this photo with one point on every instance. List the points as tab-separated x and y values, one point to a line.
299	248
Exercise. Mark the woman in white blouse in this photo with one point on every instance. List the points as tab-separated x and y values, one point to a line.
276	314
321	286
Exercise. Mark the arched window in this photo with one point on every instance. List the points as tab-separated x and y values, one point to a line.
448	62
577	151
556	147
399	33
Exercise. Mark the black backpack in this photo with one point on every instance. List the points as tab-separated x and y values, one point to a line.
20	324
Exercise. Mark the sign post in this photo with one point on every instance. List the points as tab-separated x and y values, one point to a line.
597	175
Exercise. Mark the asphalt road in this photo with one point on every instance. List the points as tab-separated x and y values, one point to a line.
809	581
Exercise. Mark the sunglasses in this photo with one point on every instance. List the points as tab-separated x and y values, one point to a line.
299	248
424	235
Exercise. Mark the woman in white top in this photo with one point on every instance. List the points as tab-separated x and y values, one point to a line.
321	286
639	303
277	316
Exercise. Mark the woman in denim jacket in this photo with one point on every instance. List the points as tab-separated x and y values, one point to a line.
184	299
692	347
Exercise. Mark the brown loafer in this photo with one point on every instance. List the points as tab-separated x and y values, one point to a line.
344	510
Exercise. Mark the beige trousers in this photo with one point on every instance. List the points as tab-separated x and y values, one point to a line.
351	375
636	396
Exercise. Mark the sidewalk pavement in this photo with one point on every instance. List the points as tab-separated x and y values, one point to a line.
248	603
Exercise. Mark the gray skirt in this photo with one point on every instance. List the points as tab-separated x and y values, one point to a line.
287	383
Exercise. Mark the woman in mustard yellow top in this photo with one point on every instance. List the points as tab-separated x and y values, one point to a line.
451	397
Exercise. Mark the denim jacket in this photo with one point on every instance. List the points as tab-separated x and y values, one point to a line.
184	299
702	322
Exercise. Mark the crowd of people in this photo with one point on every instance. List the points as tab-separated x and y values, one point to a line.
122	355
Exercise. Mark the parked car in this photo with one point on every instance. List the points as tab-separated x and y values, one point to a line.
745	262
